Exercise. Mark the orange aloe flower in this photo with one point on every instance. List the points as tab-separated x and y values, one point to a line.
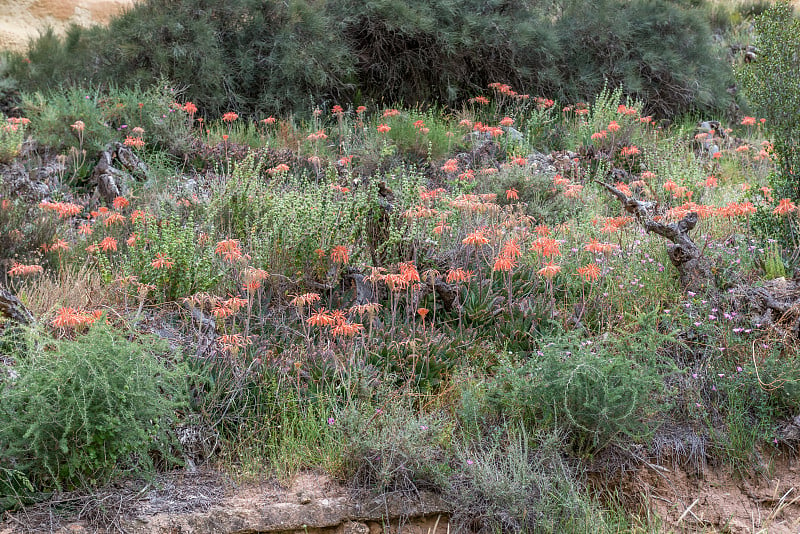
162	261
108	243
320	318
340	254
475	239
590	272
19	269
785	206
229	250
549	270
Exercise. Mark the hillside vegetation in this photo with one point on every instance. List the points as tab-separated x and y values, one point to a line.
220	244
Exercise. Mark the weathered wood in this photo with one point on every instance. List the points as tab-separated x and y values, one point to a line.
111	181
13	309
683	252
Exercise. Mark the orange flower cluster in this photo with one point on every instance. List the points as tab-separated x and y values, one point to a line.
108	244
134	142
784	207
120	203
230	116
336	321
596	247
318	135
507	259
475	203
476	239
590	272
340	254
612	224
162	261
546	246
63	209
625	110
18	121
298	301
229	249
458	275
736	209
450	166
69	317
252	278
232	343
549	270
226	308
281	167
494	131
19	269
505	89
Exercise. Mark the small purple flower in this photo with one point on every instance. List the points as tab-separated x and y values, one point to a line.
470	462
331	420
738	369
423	427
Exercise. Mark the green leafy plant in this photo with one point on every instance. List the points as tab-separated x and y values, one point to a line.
81	411
12	133
589	390
770	86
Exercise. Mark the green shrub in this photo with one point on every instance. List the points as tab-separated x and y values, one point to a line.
11	136
392	447
193	267
81	411
770	83
513	482
446	51
249	55
659	51
108	115
597	392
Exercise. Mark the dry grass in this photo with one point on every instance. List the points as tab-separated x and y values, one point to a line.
78	287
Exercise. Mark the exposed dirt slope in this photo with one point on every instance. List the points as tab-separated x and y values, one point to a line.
21	20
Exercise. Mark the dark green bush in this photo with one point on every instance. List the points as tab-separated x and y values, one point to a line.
446	51
249	55
660	52
81	410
